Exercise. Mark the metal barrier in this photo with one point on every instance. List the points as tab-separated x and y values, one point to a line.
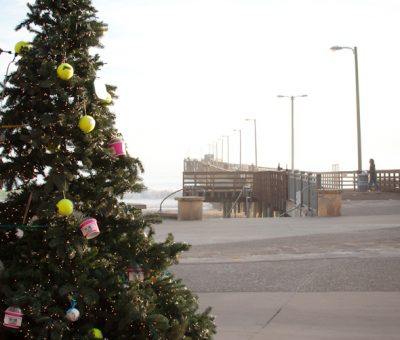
303	186
303	189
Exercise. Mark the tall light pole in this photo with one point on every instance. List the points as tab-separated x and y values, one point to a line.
240	148
292	111
354	49
222	149
255	138
227	146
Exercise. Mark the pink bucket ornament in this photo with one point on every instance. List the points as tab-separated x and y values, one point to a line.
117	148
89	228
135	274
13	317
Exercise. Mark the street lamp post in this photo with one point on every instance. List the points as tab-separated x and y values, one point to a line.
222	150
354	49
240	148
292	118
227	147
255	138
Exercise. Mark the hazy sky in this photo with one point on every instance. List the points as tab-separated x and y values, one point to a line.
191	71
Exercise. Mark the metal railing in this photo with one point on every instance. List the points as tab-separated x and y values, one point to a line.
271	189
388	180
303	186
303	189
191	165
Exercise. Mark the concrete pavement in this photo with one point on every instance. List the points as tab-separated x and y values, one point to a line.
305	316
227	230
309	307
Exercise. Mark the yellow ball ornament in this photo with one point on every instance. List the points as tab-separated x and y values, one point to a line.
21	47
96	333
65	71
87	123
65	207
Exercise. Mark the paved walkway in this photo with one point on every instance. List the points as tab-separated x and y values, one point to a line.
241	315
305	316
227	230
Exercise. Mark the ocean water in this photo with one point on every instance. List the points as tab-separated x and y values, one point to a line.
153	204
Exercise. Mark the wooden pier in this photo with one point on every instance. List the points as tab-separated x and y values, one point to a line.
265	192
258	193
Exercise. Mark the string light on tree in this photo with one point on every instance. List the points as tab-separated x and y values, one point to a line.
52	148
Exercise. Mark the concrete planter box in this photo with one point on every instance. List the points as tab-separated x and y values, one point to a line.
190	208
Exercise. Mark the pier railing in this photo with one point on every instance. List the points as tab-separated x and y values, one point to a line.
215	185
388	180
303	186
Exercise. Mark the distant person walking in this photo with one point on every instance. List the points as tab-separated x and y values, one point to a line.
372	175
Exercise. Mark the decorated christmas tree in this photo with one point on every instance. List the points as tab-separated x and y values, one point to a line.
75	261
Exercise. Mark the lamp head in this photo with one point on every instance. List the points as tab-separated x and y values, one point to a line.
337	48
292	97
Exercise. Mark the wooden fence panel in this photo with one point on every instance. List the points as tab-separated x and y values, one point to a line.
270	188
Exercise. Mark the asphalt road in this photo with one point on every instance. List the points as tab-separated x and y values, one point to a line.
359	261
333	259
